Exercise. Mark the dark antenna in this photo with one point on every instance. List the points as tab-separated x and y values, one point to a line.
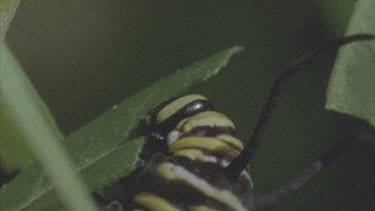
239	164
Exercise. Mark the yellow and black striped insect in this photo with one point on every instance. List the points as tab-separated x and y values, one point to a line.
202	166
201	143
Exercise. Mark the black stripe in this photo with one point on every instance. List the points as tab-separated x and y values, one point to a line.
211	172
214	175
178	193
160	131
190	109
155	111
218	154
231	144
150	129
208	131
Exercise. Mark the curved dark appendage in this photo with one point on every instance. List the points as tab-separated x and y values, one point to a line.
269	199
239	164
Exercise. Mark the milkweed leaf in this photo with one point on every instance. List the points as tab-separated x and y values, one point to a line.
352	83
107	148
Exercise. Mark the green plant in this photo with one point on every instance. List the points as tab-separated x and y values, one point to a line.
89	148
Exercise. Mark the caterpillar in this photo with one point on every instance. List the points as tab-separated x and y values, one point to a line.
201	142
203	164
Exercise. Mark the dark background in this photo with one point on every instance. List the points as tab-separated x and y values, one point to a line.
85	56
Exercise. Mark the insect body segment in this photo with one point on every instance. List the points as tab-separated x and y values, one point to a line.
164	117
208	147
184	104
207	120
202	167
190	175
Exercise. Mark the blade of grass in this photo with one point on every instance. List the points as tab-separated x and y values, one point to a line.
14	152
18	95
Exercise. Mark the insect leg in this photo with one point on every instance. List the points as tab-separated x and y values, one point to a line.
274	196
239	164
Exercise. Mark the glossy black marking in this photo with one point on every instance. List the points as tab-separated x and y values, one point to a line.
152	115
221	155
182	194
240	163
206	171
160	131
208	131
186	195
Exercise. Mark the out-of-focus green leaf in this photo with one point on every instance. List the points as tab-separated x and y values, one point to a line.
106	149
31	119
7	10
351	87
14	153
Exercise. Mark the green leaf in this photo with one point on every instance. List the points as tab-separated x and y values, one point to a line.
352	83
33	121
14	153
107	148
